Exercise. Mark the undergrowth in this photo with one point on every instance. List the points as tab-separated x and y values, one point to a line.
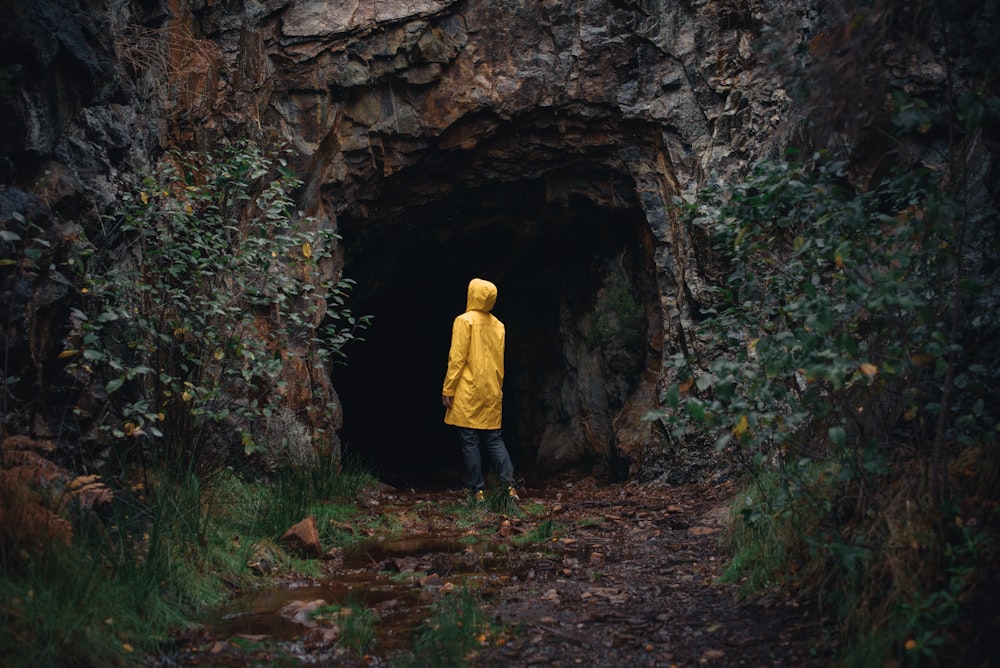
167	552
449	638
854	380
847	359
356	623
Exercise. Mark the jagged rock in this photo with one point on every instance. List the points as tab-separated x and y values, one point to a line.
425	130
303	538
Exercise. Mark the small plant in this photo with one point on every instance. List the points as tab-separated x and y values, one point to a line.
617	317
591	522
451	635
546	530
356	623
500	501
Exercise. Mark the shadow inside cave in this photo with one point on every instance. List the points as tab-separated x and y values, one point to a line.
548	259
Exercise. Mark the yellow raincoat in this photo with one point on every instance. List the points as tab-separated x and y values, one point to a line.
474	378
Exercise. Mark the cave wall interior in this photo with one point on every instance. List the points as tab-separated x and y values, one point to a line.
539	144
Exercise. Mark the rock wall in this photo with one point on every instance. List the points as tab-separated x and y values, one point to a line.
391	105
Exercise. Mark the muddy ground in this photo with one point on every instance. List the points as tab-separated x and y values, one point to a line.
630	576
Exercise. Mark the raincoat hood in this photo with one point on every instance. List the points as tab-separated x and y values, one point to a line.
482	295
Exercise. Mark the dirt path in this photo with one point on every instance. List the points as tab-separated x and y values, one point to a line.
637	585
629	577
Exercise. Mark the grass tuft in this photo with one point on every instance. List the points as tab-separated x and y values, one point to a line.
451	636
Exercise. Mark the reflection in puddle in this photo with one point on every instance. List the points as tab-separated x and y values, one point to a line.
375	551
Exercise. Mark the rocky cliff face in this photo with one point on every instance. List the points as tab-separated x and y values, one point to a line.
538	144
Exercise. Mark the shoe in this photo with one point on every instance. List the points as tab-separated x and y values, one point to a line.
479	496
512	493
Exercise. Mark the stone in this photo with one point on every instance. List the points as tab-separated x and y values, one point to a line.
301	612
319	18
304	538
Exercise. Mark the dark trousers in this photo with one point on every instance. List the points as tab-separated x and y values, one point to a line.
470	440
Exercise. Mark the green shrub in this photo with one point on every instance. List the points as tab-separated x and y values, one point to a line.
849	370
209	284
617	316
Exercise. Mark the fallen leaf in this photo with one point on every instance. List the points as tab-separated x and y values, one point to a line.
869	370
741	426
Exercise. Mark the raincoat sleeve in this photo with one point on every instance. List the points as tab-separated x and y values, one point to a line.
457	356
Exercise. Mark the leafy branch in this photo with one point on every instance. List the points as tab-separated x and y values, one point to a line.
217	285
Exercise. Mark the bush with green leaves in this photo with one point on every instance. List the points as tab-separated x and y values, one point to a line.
209	285
836	300
847	361
617	316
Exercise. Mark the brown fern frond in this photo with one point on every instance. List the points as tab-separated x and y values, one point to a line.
22	442
88	492
25	521
14	458
33	527
31	474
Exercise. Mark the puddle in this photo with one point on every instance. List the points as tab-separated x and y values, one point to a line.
376	551
399	605
367	580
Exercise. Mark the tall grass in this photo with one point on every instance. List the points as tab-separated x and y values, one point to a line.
171	550
769	535
297	492
450	637
106	599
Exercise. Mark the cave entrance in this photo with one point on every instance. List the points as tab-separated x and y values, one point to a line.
575	346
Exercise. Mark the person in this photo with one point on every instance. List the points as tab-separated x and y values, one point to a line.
472	393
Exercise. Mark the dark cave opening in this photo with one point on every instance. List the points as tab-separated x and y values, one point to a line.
548	258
